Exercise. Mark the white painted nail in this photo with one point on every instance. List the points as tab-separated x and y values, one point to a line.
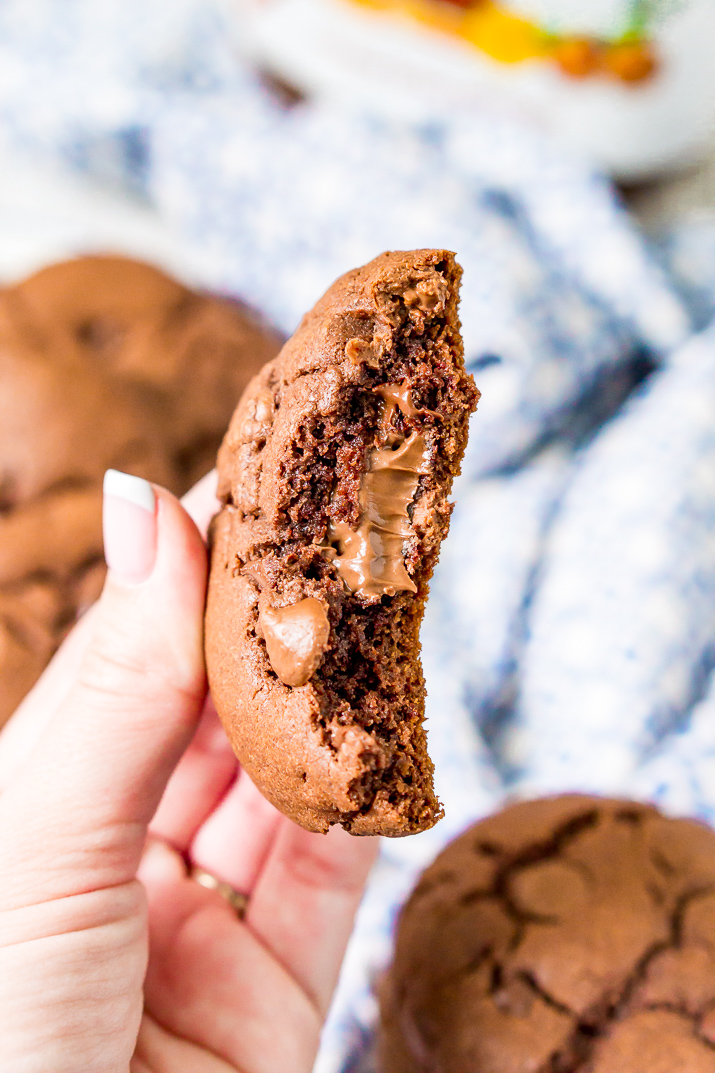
133	489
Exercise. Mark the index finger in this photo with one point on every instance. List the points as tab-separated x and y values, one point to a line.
198	783
304	903
201	502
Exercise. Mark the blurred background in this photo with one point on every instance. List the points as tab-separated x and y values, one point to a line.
627	85
256	149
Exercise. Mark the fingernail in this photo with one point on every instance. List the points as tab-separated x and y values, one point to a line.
129	520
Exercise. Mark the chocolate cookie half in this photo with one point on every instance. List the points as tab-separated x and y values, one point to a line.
334	477
566	935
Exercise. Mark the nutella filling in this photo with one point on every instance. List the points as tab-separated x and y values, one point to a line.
296	638
370	560
397	397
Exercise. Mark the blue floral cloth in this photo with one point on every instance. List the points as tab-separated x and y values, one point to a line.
570	637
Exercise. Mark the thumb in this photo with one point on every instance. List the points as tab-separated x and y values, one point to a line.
75	817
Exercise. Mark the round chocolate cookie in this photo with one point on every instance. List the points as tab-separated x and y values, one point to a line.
104	362
565	935
334	476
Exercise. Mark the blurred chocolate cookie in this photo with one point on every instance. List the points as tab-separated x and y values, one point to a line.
334	476
566	935
104	361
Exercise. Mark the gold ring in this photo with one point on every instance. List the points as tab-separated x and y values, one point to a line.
235	898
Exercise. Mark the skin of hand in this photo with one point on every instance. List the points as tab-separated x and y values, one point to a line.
113	773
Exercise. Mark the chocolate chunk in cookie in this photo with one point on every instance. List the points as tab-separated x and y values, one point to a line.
334	477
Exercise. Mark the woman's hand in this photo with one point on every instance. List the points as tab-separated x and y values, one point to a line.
111	957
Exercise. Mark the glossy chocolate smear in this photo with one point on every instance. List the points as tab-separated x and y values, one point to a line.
296	638
397	397
370	560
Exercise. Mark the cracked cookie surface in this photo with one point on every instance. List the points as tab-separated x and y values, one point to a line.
334	478
572	934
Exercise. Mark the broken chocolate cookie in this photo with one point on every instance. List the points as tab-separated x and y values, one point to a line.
334	478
